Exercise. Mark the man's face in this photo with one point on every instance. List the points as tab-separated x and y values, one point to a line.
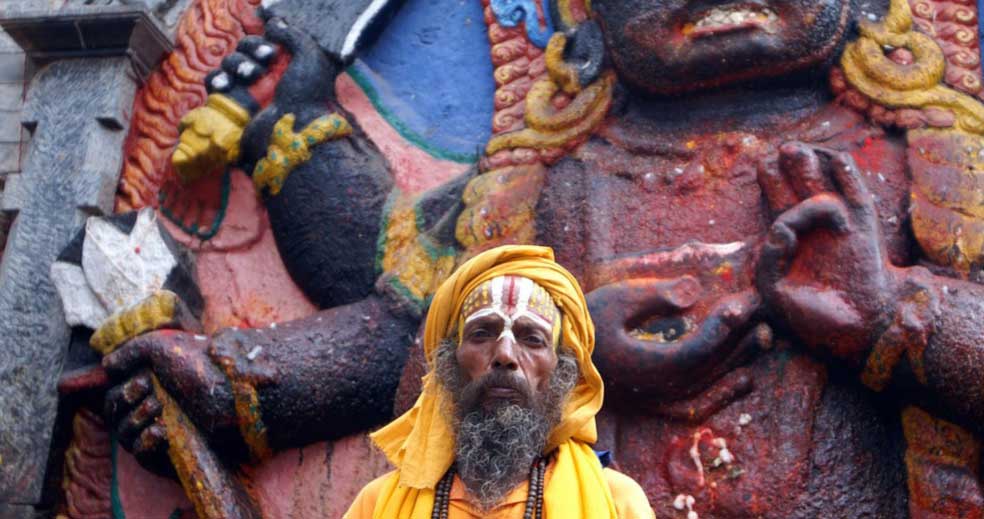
517	364
508	343
673	46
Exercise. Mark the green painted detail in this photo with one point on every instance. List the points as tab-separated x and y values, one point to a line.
419	220
176	514
381	240
405	292
402	129
433	250
116	506
219	216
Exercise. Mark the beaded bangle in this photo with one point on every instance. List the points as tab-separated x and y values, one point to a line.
247	402
908	334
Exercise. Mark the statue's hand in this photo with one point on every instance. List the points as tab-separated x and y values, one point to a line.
305	90
823	268
210	134
182	365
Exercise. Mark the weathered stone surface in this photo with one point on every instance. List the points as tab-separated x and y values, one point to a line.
10	96
17	512
12	65
10	128
9	157
47	34
77	109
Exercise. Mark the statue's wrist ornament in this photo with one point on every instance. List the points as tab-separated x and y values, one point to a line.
908	333
247	399
289	149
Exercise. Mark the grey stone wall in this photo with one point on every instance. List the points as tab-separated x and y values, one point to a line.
13	137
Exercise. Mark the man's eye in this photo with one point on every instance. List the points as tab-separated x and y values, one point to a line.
480	333
534	340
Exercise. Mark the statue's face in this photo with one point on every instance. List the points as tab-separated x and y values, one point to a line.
673	46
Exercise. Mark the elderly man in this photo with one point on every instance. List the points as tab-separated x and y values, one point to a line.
504	424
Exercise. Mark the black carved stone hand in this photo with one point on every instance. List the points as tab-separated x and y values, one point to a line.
181	363
305	89
823	268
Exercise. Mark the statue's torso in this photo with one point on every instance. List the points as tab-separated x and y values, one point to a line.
796	431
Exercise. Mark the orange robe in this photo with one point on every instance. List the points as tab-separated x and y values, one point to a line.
630	500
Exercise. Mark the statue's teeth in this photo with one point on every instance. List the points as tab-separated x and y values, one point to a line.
717	17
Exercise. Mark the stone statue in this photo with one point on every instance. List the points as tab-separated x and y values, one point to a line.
774	208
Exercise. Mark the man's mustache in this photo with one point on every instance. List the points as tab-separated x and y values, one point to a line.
476	391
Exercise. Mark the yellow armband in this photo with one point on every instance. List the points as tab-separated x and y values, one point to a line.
289	149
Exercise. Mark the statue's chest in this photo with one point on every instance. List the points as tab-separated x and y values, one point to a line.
607	202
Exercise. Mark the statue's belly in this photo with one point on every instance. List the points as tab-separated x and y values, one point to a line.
802	442
611	204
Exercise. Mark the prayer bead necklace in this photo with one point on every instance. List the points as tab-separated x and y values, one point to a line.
534	496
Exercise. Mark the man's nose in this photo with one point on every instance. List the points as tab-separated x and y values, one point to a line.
504	355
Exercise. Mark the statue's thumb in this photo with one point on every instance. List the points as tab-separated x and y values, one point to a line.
126	358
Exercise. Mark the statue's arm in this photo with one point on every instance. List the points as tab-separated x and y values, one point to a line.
330	374
942	330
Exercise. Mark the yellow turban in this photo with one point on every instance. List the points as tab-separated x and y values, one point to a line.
421	442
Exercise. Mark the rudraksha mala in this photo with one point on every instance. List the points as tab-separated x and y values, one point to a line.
534	497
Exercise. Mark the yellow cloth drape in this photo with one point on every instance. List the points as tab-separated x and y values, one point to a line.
421	443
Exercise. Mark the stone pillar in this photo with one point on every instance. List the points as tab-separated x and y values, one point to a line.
12	135
77	110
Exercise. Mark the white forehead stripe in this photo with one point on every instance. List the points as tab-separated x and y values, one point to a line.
497	287
507	333
491	310
525	286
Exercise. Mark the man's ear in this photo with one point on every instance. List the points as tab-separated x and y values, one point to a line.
585	51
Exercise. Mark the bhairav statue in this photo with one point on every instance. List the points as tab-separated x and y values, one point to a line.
774	208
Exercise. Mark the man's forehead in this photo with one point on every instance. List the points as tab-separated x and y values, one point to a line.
510	297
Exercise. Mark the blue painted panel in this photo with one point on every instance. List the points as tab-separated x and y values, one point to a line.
430	76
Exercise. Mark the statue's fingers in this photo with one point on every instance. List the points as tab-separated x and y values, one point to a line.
138	419
258	48
137	388
821	211
150	449
115	405
218	81
152	439
779	250
242	68
801	166
778	193
847	176
776	256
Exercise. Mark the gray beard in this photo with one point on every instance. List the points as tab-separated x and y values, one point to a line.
495	447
